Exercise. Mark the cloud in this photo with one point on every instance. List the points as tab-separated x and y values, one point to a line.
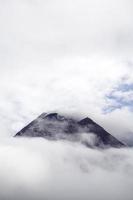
121	96
65	57
41	169
35	30
70	86
72	57
62	53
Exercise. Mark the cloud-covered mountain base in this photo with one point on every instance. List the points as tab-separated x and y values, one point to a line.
36	169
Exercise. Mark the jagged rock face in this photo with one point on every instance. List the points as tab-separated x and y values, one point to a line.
56	127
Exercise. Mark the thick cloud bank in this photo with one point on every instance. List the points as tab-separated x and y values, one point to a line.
40	169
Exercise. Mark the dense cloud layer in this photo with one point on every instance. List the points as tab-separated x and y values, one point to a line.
41	169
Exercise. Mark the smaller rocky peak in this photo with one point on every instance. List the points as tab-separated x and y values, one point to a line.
86	121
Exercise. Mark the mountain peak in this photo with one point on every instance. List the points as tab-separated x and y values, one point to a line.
54	126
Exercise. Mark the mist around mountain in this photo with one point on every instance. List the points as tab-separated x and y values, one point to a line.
76	57
60	158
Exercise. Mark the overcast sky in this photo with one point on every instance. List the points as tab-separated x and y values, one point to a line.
73	57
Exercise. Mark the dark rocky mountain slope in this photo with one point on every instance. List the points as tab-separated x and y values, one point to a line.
56	127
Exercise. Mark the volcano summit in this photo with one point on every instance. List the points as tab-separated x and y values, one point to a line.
56	127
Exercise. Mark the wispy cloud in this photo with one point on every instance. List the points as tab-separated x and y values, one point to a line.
119	97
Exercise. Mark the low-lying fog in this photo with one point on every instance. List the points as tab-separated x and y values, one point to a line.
34	169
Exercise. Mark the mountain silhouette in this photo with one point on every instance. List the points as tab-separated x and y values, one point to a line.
56	127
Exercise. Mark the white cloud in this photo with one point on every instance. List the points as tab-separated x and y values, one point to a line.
63	56
72	86
41	169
